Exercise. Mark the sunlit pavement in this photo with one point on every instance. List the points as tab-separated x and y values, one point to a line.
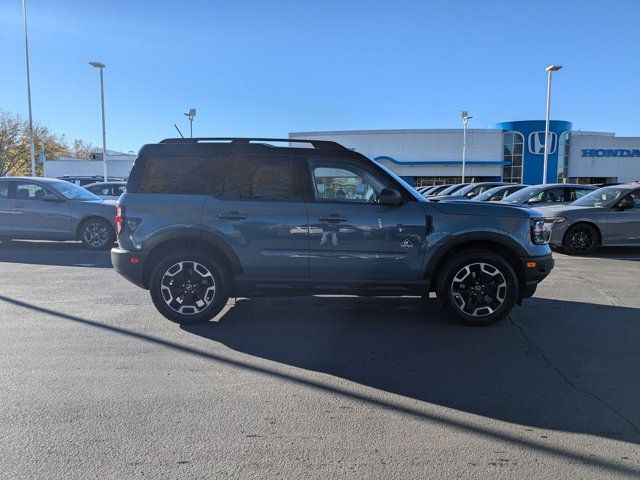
95	383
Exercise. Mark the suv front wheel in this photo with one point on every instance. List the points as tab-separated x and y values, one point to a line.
189	287
477	287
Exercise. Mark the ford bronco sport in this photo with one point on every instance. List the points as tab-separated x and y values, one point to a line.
204	219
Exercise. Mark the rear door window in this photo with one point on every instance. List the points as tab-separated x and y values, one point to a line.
257	177
186	175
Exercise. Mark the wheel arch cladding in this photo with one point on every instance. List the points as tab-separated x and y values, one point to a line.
434	269
225	256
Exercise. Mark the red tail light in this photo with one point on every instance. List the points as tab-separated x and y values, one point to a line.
119	220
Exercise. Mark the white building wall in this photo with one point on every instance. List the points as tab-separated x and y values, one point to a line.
625	169
435	145
117	166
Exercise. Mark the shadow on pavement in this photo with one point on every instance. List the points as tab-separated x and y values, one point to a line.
614	253
479	370
398	346
65	254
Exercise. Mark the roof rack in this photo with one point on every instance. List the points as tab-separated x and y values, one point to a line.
317	144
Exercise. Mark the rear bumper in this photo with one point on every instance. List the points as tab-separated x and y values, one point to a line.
536	269
129	265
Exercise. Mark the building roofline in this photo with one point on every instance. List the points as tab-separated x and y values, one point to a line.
397	131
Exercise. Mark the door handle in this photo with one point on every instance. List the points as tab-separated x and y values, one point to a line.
334	217
232	216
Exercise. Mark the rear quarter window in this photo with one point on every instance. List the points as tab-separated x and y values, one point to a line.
186	175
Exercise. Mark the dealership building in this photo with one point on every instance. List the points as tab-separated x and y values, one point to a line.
510	152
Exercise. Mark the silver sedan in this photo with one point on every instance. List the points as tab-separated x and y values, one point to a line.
609	216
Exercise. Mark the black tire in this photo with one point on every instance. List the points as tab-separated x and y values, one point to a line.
188	287
581	239
97	234
477	287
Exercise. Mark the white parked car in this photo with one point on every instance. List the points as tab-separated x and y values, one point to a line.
107	189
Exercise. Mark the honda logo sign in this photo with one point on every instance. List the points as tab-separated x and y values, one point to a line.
536	143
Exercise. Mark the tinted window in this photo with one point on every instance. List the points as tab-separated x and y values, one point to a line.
181	175
30	191
553	195
4	190
257	177
576	193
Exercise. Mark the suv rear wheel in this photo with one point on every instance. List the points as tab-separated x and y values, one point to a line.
189	287
477	287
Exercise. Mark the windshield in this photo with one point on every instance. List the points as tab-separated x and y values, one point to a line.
71	191
452	189
599	198
523	195
503	190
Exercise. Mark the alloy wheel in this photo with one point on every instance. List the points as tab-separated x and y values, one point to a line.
188	287
95	234
479	289
582	239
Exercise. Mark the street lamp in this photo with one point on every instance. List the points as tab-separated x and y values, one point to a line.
191	113
26	46
465	119
549	69
104	131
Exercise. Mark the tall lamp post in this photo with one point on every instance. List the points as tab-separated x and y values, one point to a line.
104	130
26	46
465	119
550	69
191	113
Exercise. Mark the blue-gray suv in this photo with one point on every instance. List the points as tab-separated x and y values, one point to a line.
204	219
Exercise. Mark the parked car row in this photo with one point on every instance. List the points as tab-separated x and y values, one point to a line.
578	218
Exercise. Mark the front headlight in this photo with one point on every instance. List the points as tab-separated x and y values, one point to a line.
539	234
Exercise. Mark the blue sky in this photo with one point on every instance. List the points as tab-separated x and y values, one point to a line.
265	68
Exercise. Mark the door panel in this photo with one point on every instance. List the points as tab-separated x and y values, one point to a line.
255	213
33	217
355	242
623	226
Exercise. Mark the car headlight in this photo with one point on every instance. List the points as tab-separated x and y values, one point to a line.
560	220
539	234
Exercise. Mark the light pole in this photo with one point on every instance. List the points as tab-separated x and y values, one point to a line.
104	130
549	69
465	119
26	47
191	113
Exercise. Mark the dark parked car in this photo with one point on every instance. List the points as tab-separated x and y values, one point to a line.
497	194
609	216
50	209
107	189
83	180
551	193
203	219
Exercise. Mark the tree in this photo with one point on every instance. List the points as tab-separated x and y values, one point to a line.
15	154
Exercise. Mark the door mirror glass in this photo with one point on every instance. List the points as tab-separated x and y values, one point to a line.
471	194
50	197
625	204
389	196
533	200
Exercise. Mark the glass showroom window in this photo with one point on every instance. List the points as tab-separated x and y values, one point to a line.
563	157
513	143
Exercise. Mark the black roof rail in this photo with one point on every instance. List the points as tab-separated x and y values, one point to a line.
317	144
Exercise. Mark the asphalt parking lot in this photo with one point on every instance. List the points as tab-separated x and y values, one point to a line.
95	383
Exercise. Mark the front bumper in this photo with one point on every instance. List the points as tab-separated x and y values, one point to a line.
536	269
556	232
129	265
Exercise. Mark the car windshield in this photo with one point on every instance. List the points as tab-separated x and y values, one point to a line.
487	194
600	198
523	195
71	191
452	189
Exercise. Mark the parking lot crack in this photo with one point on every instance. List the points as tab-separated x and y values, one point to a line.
568	380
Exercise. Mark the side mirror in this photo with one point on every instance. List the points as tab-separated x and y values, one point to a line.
389	196
533	201
50	197
471	194
625	204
